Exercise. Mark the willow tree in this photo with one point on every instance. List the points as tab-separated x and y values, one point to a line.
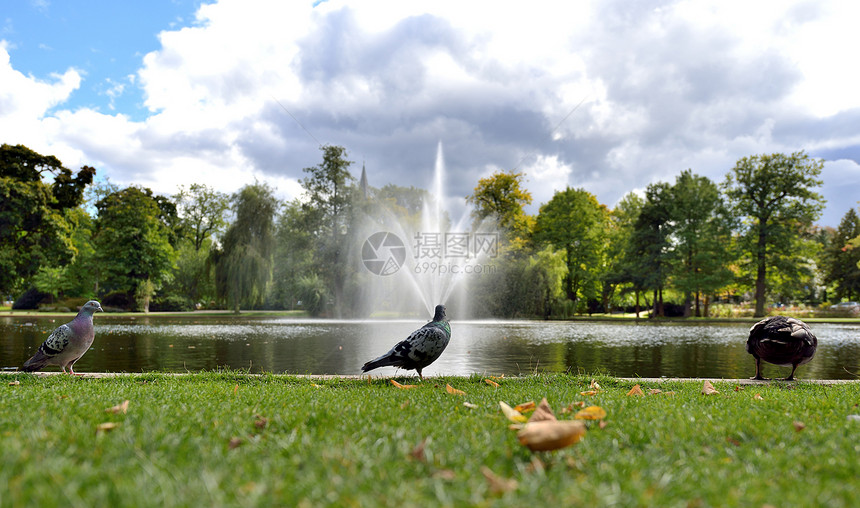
773	197
243	265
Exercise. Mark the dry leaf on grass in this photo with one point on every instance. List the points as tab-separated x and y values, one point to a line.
708	388
470	405
636	390
543	412
402	387
235	389
654	391
591	413
512	414
550	435
798	426
235	442
14	383
106	427
758	397
498	485
491	383
260	422
569	408
119	408
588	393
594	385
525	407
453	391
445	474
417	453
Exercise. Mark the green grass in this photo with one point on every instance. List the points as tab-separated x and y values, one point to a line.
349	442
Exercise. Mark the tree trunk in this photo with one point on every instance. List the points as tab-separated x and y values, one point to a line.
637	304
707	312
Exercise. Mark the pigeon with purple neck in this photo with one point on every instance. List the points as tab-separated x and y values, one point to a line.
68	343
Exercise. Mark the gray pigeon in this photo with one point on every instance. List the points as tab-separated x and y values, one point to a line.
68	343
783	341
420	349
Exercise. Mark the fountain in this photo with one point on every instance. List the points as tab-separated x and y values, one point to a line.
410	264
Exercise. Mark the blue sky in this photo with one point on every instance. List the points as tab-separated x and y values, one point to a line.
169	93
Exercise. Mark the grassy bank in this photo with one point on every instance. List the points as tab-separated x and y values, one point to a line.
216	439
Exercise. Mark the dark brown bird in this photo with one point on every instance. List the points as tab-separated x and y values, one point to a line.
783	341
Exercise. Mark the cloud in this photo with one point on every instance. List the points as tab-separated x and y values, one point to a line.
663	86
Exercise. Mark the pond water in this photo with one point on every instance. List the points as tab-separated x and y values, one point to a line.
282	345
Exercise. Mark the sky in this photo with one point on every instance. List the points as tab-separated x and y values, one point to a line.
609	96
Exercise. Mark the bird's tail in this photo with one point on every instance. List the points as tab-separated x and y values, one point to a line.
385	360
35	363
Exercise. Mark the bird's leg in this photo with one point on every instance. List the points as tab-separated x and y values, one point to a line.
791	376
758	375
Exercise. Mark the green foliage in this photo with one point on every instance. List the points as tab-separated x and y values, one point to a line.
773	197
501	198
35	231
132	240
202	212
842	258
243	265
576	223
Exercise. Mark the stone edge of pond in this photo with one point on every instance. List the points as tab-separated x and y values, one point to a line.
652	380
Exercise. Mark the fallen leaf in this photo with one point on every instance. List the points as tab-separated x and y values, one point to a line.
14	383
525	407
316	385
550	435
594	385
733	441
669	394
470	405
798	426
636	390
119	408
491	383
235	389
757	396
453	391
235	442
417	453
106	427
498	485
402	387
543	412
708	388
445	474
654	391
588	393
591	413
739	388
536	465
512	414
602	424
261	422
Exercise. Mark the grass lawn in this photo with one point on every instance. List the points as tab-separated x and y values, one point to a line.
214	439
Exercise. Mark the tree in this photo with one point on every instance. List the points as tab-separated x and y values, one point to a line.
701	237
501	198
649	255
842	258
327	212
132	240
773	196
574	221
622	221
243	265
202	212
34	231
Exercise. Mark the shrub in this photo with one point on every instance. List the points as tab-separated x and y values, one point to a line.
30	300
171	303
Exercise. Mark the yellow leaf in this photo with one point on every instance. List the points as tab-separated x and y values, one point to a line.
525	406
543	412
119	408
235	389
708	388
491	383
402	387
106	427
636	390
588	393
512	414
591	413
551	434
594	385
757	396
798	426
654	391
453	391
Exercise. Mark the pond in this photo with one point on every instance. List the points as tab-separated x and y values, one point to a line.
283	345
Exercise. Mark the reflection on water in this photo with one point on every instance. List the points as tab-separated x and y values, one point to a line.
491	347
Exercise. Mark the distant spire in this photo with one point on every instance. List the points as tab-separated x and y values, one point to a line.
362	183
